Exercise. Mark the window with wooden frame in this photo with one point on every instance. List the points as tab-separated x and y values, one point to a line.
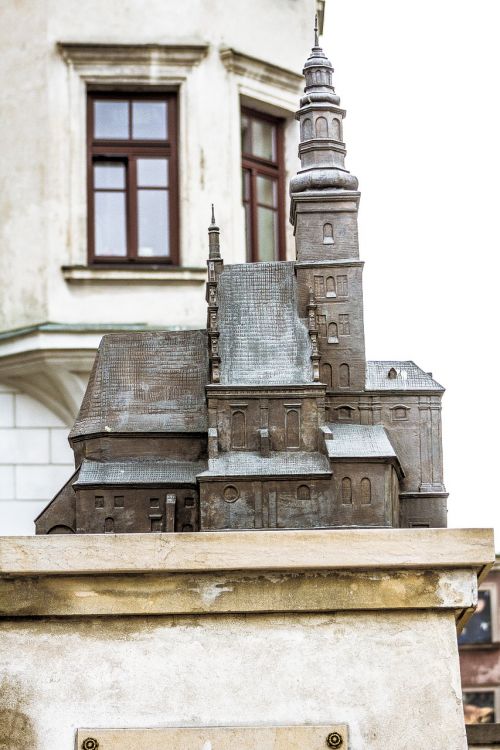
263	185
132	178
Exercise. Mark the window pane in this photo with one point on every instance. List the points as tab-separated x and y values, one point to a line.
110	226
479	707
246	184
110	119
152	172
109	175
267	190
267	233
149	120
478	629
152	206
264	139
246	136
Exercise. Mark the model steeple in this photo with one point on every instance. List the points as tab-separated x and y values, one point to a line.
215	265
322	151
324	212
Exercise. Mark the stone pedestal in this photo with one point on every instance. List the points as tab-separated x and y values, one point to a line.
346	629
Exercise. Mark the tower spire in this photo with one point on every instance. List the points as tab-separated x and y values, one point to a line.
324	212
214	265
213	238
322	151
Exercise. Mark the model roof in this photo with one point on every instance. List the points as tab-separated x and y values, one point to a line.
405	376
359	441
262	339
139	471
244	463
147	382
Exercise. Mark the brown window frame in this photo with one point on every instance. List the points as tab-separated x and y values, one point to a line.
259	166
127	151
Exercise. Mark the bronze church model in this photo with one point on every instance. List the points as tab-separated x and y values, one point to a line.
272	417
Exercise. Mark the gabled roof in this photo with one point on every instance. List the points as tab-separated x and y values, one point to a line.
244	463
139	471
359	441
262	339
146	382
407	376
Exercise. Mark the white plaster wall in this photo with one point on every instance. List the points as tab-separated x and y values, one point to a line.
392	677
35	459
41	210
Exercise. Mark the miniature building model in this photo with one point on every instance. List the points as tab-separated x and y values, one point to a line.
272	417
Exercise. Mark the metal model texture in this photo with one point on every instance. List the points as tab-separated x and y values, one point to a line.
271	417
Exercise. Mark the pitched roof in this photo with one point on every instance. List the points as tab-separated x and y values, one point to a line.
244	463
147	382
139	471
408	377
359	441
262	339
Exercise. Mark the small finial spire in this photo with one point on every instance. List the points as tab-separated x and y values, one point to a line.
316	37
213	238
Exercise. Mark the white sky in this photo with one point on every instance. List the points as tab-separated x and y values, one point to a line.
420	82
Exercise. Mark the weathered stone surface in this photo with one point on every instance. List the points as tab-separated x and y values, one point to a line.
339	549
351	627
238	592
367	670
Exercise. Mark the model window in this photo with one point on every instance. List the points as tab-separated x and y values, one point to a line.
342	287
132	178
344	326
478	629
263	186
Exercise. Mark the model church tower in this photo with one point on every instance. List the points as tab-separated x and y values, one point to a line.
271	417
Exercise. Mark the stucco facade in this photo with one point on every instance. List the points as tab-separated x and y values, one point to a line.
53	53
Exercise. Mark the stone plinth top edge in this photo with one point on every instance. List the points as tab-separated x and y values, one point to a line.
333	549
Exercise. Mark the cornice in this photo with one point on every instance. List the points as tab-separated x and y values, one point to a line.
311	390
260	70
150	60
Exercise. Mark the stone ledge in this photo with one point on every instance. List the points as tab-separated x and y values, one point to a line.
136	274
319	549
483	735
237	593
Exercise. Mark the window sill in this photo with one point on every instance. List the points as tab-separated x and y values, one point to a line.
135	274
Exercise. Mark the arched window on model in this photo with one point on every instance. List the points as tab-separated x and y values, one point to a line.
344	376
307	129
335	129
238	430
328	234
330	287
303	493
109	526
333	334
366	491
326	374
292	428
346	491
321	127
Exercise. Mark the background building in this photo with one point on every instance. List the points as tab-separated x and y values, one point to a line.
479	645
109	118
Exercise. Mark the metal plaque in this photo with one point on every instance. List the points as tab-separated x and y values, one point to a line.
316	737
